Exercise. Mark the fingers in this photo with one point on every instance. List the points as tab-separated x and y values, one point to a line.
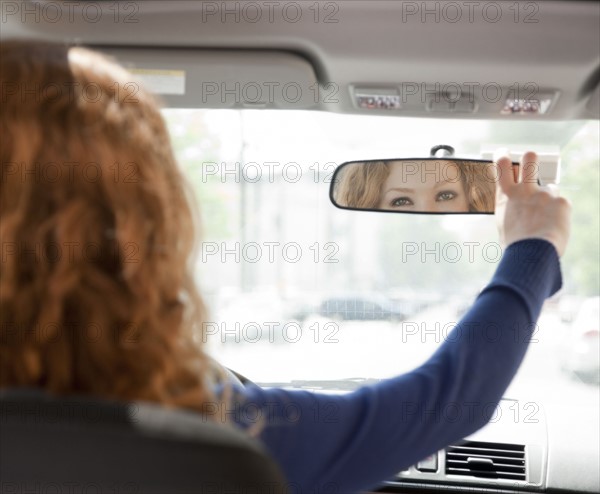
506	179
529	169
509	176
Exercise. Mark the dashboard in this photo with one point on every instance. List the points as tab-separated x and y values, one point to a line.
525	447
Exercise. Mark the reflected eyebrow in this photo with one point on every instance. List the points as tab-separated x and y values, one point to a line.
404	189
399	189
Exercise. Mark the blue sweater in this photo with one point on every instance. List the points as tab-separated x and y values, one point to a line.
352	442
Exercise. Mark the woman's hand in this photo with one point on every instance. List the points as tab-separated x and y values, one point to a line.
524	209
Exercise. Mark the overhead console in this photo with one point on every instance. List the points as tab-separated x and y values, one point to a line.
489	100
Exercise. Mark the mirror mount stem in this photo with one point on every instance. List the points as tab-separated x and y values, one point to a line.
441	151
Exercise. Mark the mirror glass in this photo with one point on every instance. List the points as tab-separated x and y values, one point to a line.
422	185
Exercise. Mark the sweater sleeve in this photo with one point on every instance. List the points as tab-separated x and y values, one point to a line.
347	443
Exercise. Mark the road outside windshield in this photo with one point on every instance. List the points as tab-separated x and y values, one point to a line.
301	292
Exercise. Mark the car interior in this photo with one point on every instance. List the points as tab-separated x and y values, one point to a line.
264	101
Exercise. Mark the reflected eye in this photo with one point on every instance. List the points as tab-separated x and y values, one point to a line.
446	195
401	202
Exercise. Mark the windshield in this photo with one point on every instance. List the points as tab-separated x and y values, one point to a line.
301	291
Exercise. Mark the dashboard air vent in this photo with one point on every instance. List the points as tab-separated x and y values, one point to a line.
487	460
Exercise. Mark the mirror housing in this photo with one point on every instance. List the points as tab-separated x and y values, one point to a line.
434	185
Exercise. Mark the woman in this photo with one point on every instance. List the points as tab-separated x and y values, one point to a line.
439	186
97	298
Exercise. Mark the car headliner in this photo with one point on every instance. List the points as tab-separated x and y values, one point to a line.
381	44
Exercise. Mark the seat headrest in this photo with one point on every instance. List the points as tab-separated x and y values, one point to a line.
92	445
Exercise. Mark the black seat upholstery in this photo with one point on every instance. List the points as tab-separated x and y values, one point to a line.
79	445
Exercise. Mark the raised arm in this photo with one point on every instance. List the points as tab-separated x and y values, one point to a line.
332	443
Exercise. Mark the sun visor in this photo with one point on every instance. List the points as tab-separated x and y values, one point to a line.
192	78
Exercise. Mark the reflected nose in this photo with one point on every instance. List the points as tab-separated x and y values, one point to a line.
425	203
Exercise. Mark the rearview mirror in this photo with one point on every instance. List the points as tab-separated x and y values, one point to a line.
416	185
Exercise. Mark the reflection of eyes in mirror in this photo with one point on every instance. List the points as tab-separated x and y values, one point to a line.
433	186
437	190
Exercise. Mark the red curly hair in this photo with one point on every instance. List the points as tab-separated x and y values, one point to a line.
97	231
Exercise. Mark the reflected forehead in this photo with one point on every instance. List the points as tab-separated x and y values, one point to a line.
421	174
421	166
